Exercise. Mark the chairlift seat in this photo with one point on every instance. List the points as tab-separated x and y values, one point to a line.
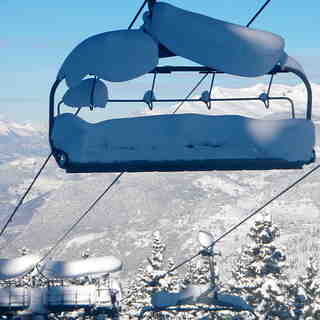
198	294
181	142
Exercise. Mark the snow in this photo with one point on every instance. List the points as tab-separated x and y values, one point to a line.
4	129
17	267
83	239
83	267
214	183
183	137
89	93
289	62
23	130
205	238
195	294
114	56
214	43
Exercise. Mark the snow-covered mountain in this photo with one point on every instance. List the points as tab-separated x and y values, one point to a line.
176	204
20	139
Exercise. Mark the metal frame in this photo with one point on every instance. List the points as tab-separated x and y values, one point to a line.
16	301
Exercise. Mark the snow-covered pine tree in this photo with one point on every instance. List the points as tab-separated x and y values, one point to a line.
197	273
147	280
259	271
306	299
297	299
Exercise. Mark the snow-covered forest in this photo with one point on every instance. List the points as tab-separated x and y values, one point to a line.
260	287
260	276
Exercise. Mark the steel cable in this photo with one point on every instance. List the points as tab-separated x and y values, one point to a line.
24	195
64	236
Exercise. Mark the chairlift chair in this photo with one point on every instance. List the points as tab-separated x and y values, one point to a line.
176	142
15	298
204	297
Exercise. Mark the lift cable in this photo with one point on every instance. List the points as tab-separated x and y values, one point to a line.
137	15
105	191
258	12
248	217
24	195
29	188
190	93
278	195
63	237
248	24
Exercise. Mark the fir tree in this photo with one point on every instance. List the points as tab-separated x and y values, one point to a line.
259	272
150	279
305	294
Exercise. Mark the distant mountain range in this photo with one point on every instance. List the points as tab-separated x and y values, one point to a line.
176	204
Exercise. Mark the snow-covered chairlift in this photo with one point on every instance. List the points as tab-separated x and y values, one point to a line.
196	298
205	297
13	298
88	296
176	142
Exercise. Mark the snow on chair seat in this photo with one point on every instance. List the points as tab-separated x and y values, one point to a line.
78	268
198	294
224	46
17	267
181	142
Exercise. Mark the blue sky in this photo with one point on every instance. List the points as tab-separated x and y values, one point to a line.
37	36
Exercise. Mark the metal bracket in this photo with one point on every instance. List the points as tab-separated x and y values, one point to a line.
149	96
265	97
206	95
93	88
